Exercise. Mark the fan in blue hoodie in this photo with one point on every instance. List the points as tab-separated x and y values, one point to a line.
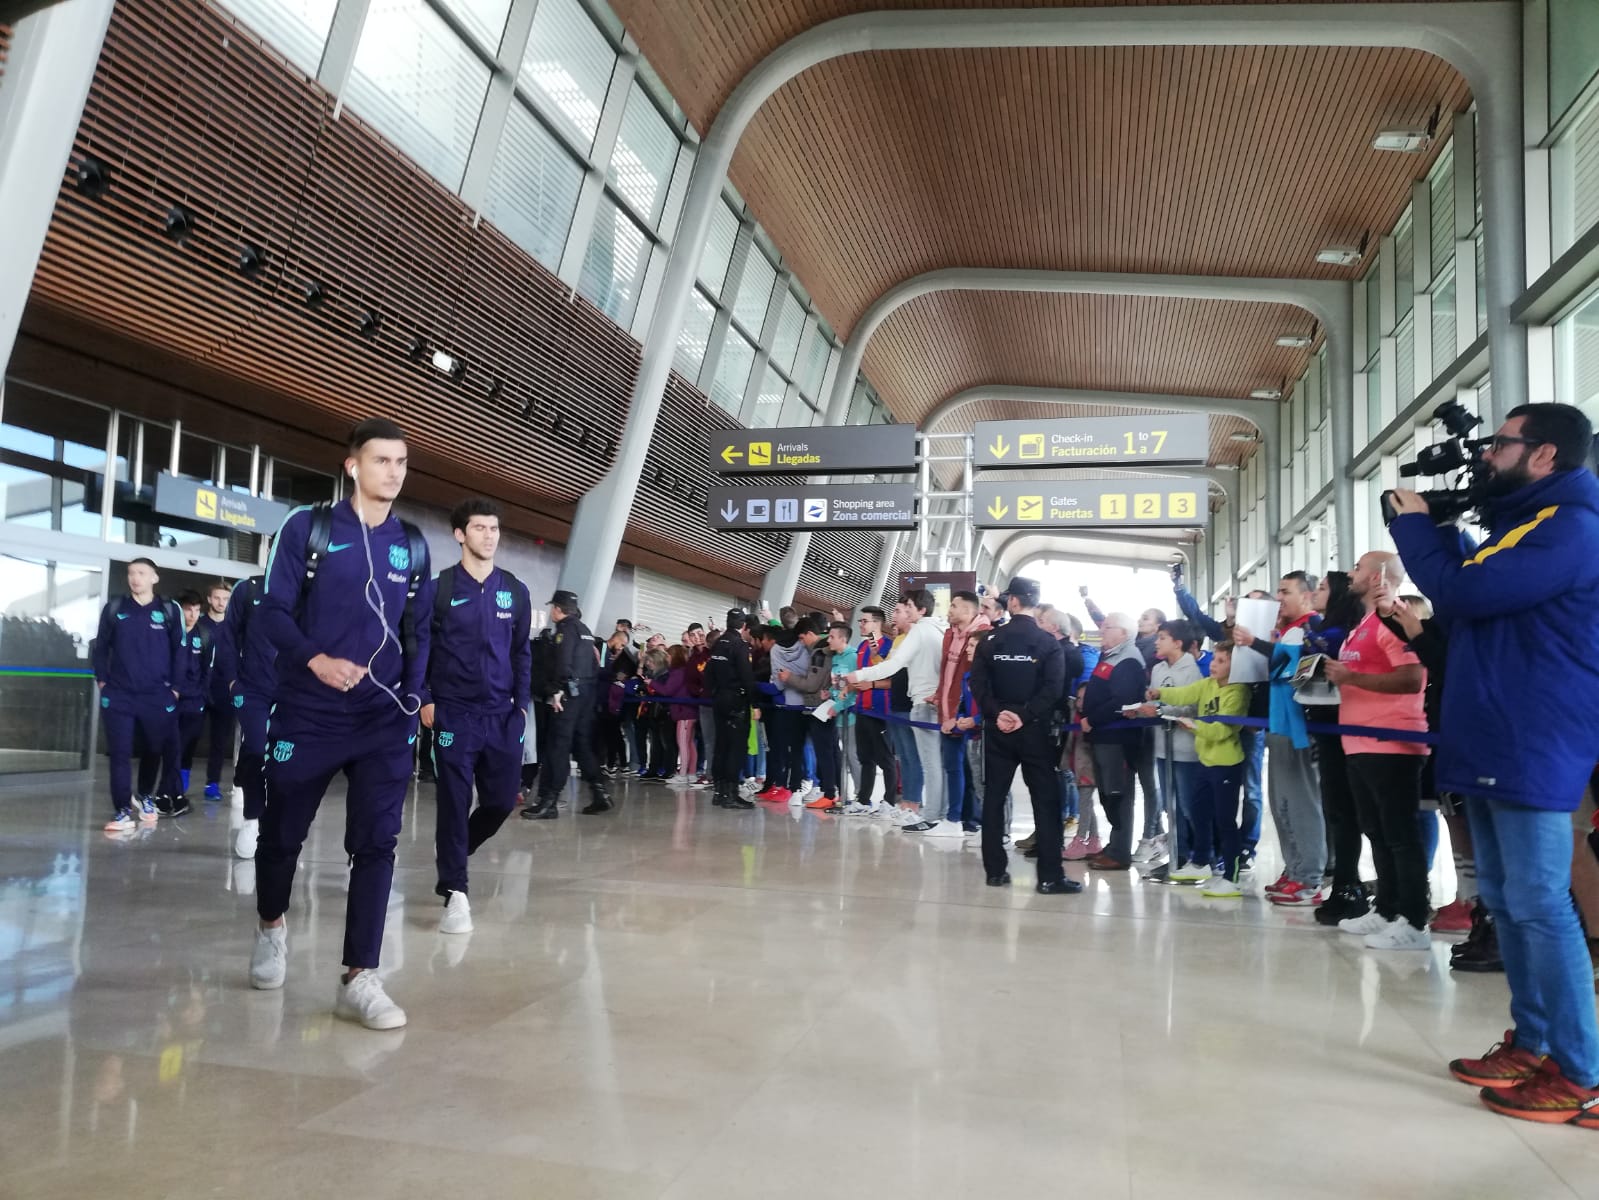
1519	739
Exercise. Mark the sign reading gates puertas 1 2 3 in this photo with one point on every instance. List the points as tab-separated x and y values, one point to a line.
822	450
1176	439
1088	503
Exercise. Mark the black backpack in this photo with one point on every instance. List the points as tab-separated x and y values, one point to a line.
445	585
316	545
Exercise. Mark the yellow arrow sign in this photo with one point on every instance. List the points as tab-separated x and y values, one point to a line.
729	454
997	510
999	448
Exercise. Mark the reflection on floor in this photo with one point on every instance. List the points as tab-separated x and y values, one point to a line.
675	1001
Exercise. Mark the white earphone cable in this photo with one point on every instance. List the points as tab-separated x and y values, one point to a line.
373	595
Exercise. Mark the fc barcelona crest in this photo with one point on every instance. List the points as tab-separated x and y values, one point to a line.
400	557
503	599
283	751
445	740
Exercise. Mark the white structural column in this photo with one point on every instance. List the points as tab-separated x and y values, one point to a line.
48	73
1481	40
1329	301
885	566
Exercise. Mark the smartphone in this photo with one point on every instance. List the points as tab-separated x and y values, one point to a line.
1083	591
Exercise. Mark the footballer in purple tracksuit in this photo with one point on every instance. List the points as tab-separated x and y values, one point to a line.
347	701
192	684
246	662
136	660
218	704
480	679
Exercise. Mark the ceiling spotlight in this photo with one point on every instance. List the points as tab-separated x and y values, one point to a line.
452	366
179	223
93	178
369	324
495	388
416	350
841	572
1266	394
1243	436
1338	256
316	294
250	261
1294	341
1407	141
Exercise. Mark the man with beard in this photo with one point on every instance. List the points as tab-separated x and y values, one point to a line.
1519	739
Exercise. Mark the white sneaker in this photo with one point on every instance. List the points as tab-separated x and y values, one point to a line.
1364	926
148	813
244	842
1191	872
945	829
236	797
856	809
1151	848
269	961
123	822
1399	935
457	915
363	999
750	786
1219	887
882	812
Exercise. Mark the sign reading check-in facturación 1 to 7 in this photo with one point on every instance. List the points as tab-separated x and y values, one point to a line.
1171	439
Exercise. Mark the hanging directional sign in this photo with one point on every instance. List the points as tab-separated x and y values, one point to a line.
823	450
825	506
1088	503
1180	439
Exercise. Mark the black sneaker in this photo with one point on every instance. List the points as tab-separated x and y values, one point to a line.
172	806
1479	953
542	810
1344	903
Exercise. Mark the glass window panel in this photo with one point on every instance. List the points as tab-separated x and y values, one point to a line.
1441	197
696	333
663	96
483	19
1573	51
812	367
1575	169
533	188
419	85
294	484
1482	285
733	373
719	249
52	611
298	29
754	292
766	408
567	68
1443	321
613	268
56	447
796	413
646	151
672	212
790	325
1373	308
1404	266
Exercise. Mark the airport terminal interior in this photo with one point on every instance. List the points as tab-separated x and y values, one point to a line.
1000	353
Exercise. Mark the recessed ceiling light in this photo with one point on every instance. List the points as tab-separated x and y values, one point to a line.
1242	436
1294	341
316	294
179	223
94	177
450	364
1339	256
370	323
416	349
1402	141
1266	394
250	261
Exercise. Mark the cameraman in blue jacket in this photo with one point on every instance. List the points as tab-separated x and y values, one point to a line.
1519	738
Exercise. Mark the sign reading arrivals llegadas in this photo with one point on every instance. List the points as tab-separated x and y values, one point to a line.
1171	439
180	496
821	450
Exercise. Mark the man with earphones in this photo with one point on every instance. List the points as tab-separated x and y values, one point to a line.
344	585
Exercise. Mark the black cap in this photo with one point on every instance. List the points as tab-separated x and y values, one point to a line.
735	618
567	601
1025	591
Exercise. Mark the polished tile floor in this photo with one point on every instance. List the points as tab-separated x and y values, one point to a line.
677	1002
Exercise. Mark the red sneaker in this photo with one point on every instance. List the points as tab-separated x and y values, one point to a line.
1548	1098
823	802
1282	881
772	793
1298	895
1454	917
1504	1066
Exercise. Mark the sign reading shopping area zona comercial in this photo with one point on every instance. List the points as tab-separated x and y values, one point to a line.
1180	439
180	496
822	450
1088	503
826	506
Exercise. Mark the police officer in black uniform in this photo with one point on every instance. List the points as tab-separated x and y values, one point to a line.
1017	676
730	682
572	690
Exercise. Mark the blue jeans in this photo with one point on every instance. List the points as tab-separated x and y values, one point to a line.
1254	743
1193	837
903	740
1427	824
1524	877
952	749
1070	798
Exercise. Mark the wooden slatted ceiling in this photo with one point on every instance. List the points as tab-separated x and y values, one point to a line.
188	108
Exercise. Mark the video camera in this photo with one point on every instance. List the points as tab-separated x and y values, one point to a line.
1458	452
